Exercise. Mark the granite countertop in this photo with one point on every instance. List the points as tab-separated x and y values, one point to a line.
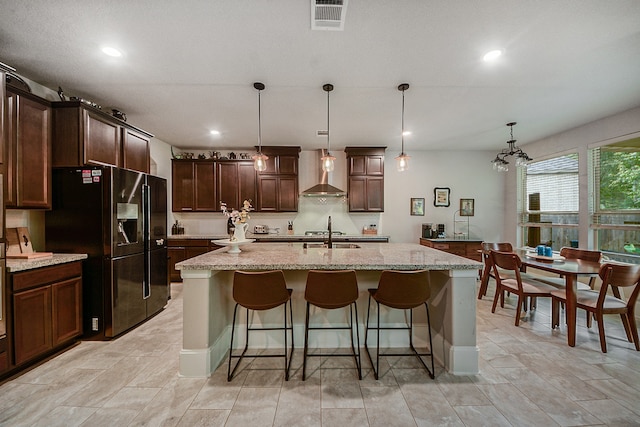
15	265
285	237
292	256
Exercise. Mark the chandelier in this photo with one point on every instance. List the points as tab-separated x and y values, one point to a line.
500	163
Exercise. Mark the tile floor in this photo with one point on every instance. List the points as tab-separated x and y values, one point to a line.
529	377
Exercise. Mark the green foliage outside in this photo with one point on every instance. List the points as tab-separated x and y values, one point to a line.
619	180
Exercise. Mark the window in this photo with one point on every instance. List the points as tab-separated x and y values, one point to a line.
615	206
549	208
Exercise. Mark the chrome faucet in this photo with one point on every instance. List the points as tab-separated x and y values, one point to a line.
329	242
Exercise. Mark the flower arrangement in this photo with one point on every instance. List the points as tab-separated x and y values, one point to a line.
237	216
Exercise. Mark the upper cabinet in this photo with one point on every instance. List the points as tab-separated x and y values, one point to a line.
193	186
83	135
366	178
278	184
235	183
200	185
28	152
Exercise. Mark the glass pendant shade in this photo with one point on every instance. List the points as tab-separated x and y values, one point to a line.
402	162
328	162
260	162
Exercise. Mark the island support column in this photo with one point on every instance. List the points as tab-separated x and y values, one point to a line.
206	307
453	320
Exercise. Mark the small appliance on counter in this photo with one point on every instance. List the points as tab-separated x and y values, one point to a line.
260	229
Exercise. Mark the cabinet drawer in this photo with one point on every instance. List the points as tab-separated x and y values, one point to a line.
187	242
46	275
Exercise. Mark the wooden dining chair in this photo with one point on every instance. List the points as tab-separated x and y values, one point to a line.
487	271
600	302
577	254
506	268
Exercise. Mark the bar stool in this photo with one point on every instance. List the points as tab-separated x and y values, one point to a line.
332	289
403	290
261	290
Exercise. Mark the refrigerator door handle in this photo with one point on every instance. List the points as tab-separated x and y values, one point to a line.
146	206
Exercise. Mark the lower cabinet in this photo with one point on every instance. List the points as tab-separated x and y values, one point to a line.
181	249
466	248
46	308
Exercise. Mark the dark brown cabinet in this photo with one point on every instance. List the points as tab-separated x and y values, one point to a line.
28	134
181	249
47	310
236	182
365	178
467	248
135	151
193	186
278	184
85	135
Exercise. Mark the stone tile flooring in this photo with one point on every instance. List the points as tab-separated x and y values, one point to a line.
529	377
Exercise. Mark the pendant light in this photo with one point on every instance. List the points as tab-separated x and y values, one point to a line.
259	159
328	159
402	161
500	163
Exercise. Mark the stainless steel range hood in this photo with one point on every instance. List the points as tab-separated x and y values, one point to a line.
323	189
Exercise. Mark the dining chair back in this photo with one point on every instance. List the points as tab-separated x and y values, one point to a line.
506	268
487	271
614	276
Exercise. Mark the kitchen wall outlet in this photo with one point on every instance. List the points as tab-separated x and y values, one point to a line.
94	324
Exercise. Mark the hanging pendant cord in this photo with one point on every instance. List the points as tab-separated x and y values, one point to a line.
259	124
402	122
328	140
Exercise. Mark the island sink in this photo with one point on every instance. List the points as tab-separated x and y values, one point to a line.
334	246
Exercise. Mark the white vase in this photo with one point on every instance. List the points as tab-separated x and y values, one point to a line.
239	232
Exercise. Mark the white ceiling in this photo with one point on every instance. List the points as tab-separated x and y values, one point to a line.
189	66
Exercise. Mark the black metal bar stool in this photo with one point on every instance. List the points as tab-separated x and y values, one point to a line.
332	289
403	290
261	290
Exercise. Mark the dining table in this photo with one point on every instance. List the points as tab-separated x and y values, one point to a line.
570	269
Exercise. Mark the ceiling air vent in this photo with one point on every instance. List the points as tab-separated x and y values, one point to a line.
328	14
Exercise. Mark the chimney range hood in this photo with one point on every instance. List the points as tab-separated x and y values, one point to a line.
323	189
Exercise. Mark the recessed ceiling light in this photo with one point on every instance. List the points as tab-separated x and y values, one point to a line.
111	51
214	132
492	55
406	132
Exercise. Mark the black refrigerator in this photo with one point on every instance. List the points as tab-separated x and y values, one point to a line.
119	218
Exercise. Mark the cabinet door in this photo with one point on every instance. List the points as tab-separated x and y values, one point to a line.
182	186
357	193
227	184
28	152
101	140
247	182
288	194
205	199
267	193
176	255
31	323
66	307
135	151
375	165
375	194
357	165
288	165
33	161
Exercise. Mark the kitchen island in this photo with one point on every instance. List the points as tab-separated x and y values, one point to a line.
208	303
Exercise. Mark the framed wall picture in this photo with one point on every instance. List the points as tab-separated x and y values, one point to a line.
467	207
417	206
441	197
